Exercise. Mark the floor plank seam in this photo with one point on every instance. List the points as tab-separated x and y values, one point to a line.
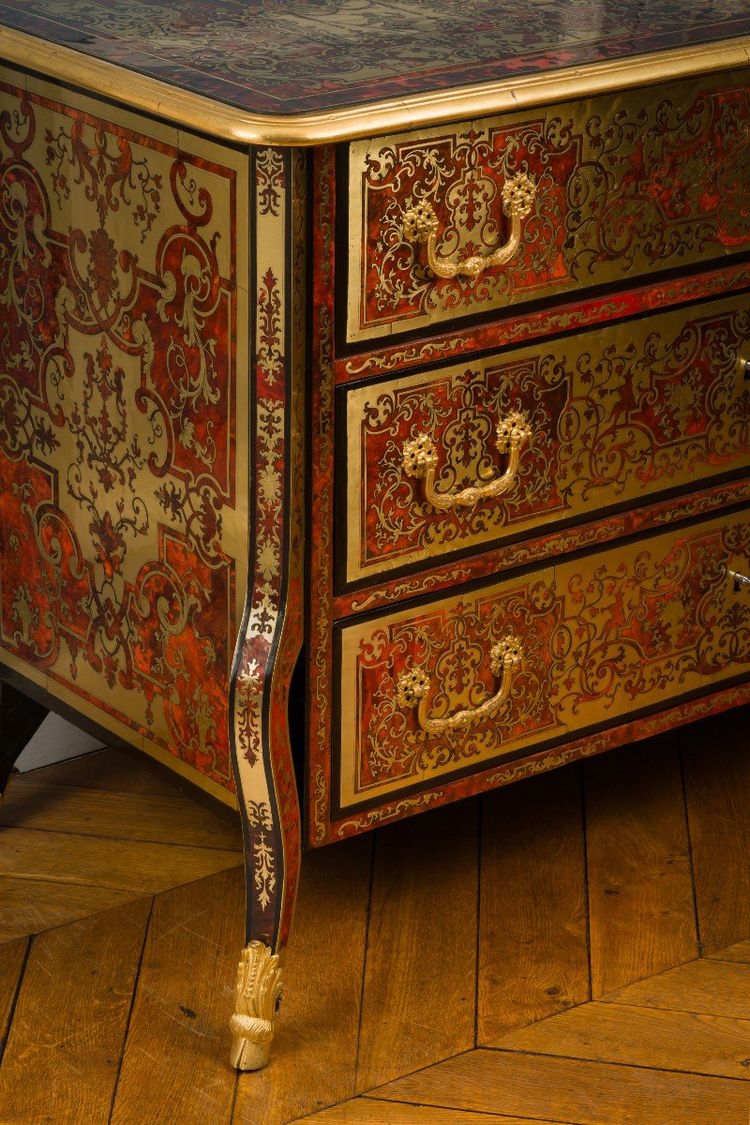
542	1019
410	1073
650	976
693	884
134	993
586	894
14	1001
71	921
95	835
479	1112
621	1065
478	951
368	922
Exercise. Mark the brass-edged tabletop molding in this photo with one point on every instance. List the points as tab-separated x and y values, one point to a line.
226	122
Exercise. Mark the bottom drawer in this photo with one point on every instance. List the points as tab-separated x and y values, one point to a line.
453	685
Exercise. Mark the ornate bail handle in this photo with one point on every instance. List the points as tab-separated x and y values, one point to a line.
420	224
420	460
414	684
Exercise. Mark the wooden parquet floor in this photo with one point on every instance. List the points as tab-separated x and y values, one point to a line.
572	950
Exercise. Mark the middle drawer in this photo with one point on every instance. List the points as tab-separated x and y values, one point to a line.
481	451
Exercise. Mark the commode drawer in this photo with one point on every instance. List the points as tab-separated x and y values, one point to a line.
474	453
446	688
463	219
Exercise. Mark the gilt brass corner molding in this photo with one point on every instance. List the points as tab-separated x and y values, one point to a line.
231	124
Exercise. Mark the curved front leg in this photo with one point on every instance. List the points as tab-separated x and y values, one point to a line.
271	636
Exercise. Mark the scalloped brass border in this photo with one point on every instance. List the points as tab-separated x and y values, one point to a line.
231	124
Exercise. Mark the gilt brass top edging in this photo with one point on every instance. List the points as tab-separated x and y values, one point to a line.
224	122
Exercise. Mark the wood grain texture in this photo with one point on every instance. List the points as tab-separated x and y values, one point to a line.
30	906
740	951
569	1090
175	1066
533	953
667	1040
315	1050
368	1111
123	816
642	917
12	956
419	991
716	766
68	1030
117	770
718	988
118	864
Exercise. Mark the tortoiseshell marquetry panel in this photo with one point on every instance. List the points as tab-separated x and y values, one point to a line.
616	415
444	689
644	180
123	364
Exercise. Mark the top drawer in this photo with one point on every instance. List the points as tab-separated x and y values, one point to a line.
605	189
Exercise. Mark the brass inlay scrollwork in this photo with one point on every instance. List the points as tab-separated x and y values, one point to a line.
420	460
420	224
414	684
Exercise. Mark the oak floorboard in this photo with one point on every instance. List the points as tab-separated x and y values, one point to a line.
118	864
66	1038
533	952
122	816
641	908
650	1037
315	1048
367	1111
572	1090
114	769
12	956
717	788
717	988
30	906
176	1062
739	951
418	1003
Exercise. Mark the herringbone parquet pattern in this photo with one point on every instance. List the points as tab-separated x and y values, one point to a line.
569	950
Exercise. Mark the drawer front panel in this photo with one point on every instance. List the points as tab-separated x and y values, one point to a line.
608	417
649	179
475	678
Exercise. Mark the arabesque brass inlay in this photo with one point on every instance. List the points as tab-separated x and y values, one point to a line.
123	507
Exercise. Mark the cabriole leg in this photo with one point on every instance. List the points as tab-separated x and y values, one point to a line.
271	637
19	719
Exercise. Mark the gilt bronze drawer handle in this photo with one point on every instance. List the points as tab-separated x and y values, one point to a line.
420	460
420	224
414	684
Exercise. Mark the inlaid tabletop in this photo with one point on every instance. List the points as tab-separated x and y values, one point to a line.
287	57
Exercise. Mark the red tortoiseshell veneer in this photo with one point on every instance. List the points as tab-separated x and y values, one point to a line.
375	402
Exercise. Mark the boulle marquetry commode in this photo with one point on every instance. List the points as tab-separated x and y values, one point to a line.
378	371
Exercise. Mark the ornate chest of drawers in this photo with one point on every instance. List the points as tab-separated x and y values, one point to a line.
389	384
